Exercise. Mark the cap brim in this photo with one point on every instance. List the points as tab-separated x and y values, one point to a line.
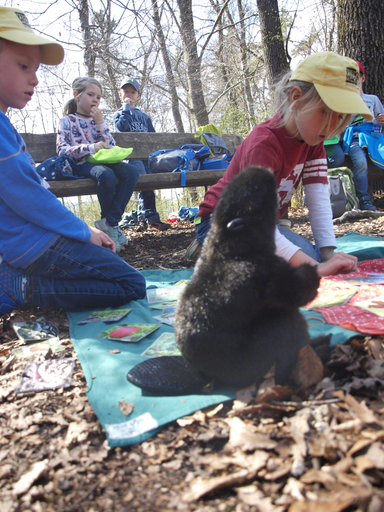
344	101
51	53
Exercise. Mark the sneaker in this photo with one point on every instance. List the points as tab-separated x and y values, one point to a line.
367	205
112	232
121	237
160	226
193	251
285	223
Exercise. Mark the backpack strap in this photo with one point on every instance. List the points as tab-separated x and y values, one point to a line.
184	164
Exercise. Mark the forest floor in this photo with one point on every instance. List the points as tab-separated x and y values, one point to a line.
321	450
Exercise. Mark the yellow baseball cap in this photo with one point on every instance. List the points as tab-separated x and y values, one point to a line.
337	81
14	27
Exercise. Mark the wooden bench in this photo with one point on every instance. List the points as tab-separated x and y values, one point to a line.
43	146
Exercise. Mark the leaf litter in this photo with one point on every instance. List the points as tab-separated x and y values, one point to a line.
317	448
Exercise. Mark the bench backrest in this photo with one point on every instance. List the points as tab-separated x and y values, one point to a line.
43	146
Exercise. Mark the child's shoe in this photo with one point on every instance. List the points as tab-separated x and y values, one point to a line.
367	205
122	238
159	226
193	251
112	232
13	285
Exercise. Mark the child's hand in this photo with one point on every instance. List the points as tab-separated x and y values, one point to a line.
100	238
380	118
101	145
127	100
96	114
340	263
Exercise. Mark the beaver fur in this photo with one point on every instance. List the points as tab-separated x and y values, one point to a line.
239	314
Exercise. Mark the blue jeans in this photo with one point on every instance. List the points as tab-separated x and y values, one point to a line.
335	156
147	200
72	274
112	199
311	250
359	169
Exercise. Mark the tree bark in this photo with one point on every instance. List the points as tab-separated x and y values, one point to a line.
89	54
361	37
244	62
168	68
195	87
272	38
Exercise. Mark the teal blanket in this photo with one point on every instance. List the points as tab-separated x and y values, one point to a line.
105	372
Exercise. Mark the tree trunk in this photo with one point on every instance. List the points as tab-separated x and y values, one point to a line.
272	38
168	68
89	55
195	87
244	62
361	37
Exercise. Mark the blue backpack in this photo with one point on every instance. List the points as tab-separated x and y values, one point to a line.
186	158
58	168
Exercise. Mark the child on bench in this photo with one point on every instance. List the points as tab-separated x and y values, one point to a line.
83	132
49	258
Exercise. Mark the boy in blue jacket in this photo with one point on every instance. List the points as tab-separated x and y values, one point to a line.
131	119
49	258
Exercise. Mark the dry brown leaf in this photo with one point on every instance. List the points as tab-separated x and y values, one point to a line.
27	479
244	436
363	463
348	425
376	347
274	393
362	411
335	502
200	486
114	351
376	454
326	478
253	496
309	369
78	431
359	445
246	395
126	407
343	465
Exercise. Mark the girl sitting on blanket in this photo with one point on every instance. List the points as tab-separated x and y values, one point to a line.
314	103
83	132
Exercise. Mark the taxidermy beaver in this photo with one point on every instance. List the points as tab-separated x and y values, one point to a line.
239	314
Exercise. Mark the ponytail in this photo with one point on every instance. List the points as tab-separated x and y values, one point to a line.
79	85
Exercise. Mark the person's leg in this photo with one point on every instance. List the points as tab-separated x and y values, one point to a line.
128	175
147	200
335	156
360	174
73	274
106	182
202	226
311	250
13	284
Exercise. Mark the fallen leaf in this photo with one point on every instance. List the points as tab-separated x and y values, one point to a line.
243	435
126	407
114	351
362	411
26	480
309	369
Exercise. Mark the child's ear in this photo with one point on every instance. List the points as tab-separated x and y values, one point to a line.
295	94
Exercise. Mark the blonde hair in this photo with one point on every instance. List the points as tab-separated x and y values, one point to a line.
79	85
310	102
